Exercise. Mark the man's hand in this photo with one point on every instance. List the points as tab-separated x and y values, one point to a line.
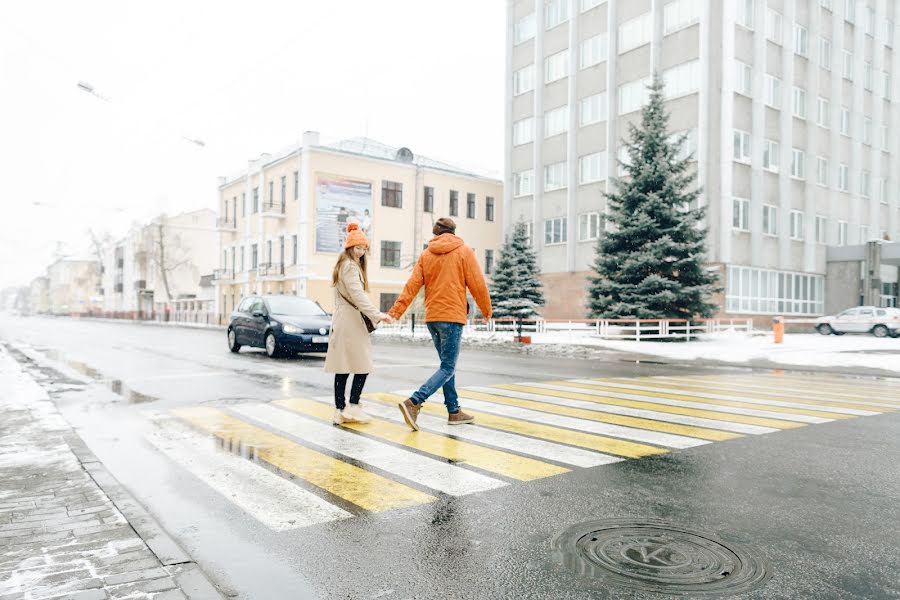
388	318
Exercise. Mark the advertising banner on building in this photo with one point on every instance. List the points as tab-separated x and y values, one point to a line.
340	201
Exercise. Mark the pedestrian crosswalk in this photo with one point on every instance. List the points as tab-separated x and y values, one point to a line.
285	464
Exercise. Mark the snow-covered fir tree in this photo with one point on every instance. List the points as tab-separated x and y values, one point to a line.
515	286
651	264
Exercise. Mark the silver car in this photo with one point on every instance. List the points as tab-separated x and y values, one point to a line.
880	322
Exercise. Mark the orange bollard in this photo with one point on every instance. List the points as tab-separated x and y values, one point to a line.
778	329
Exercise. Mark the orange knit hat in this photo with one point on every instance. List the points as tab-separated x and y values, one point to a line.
355	237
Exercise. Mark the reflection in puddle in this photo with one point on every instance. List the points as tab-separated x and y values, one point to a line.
116	385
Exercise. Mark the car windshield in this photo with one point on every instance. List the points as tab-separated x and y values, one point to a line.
298	307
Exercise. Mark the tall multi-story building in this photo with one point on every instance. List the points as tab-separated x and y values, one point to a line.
283	221
791	113
73	285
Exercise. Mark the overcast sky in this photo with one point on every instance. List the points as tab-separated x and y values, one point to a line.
244	78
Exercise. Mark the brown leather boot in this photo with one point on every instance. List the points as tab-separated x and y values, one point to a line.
459	418
410	411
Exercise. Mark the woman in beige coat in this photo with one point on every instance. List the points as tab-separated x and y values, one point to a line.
350	349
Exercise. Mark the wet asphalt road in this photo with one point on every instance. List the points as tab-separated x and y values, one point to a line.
821	504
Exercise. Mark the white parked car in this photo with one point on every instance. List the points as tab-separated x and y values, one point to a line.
880	322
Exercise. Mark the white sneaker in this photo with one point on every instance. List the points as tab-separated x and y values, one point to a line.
354	412
339	418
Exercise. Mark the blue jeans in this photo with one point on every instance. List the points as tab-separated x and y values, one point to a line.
446	337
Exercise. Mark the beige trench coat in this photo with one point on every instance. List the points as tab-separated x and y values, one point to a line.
350	349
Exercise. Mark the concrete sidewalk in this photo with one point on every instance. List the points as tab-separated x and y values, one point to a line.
67	528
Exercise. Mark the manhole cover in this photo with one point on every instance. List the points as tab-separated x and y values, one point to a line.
658	557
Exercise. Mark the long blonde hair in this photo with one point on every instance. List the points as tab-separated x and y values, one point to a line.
344	256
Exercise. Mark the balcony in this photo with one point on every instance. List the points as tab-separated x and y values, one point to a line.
222	274
273	209
226	224
270	271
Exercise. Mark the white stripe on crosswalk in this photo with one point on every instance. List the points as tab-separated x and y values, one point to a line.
626	433
624	410
426	471
270	499
499	439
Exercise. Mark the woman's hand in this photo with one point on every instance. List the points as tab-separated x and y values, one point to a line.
388	318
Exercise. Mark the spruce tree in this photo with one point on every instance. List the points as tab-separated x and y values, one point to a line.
651	264
515	287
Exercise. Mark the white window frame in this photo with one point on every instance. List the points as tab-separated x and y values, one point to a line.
680	14
798	163
523	183
845	121
868	76
888	33
593	109
774	26
681	80
887	82
796	222
773	91
556	231
826	53
843	178
633	95
847	65
556	12
556	121
826	4
771	150
587	5
850	11
556	176
635	32
556	67
821	229
593	51
885	138
524	29
865	183
589	226
523	80
799	102
740	214
801	40
744	13
822	171
823	109
743	78
842	227
867	131
742	147
523	131
753	290
593	167
770	220
884	190
870	21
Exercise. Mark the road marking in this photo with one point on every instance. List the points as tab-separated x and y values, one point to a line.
521	444
420	469
488	459
265	496
716	392
367	490
537	430
585	391
705	429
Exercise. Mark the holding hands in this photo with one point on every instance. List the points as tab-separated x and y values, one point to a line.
388	318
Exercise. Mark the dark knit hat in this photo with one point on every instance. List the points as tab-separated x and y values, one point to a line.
444	225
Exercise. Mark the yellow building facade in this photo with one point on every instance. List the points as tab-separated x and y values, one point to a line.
282	223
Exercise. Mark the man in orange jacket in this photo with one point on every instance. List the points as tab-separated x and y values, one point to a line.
446	269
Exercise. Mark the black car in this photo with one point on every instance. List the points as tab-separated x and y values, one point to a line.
280	324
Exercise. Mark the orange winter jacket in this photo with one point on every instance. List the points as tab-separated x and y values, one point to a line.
446	269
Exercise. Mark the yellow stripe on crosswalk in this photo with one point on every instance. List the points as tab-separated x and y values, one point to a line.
725	388
488	459
549	433
591	415
367	490
677	410
842	387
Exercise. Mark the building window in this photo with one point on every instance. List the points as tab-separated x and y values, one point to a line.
744	78
885	138
770	219
842	233
798	163
826	4
633	95
774	26
470	206
523	131
429	199
850	11
242	259
843	178
770	156
454	202
489	209
847	65
773	91
556	66
593	109
870	21
687	144
271	193
801	40
865	184
589	226
682	79
741	146
296	185
256	200
764	291
592	167
635	33
845	121
283	189
390	254
556	12
556	121
555	176
799	103
822	171
254	257
294	249
243	204
386	301
796	225
867	131
888	33
488	261
593	51
529	232
883	190
523	184
868	76
524	29
886	78
555	231
680	14
744	15
391	194
740	214
825	53
822	116
587	5
523	80
821	229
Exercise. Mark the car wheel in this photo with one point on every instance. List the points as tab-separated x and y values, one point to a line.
880	331
839	332
825	329
232	341
271	345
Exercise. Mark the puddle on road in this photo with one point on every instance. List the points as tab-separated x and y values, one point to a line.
117	386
